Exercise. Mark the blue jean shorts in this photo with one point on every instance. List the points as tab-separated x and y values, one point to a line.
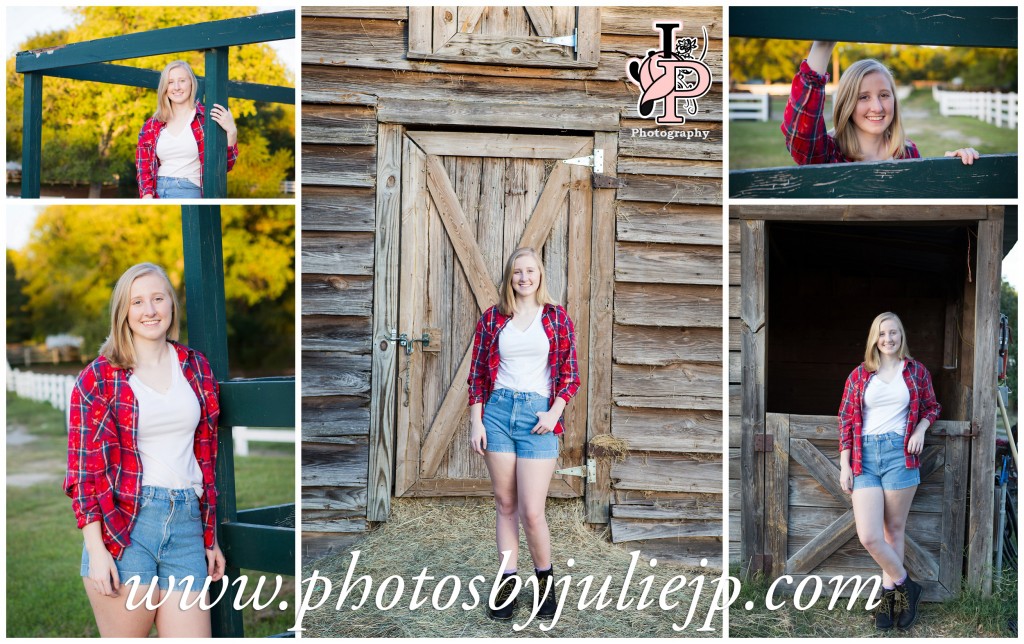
884	465
167	540
508	418
177	188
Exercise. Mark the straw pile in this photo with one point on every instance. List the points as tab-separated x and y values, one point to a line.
456	537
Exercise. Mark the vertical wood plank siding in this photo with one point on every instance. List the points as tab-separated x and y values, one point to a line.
655	295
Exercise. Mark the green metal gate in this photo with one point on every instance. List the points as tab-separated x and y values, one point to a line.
261	539
90	60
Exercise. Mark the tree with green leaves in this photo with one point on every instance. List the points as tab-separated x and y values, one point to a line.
75	254
90	130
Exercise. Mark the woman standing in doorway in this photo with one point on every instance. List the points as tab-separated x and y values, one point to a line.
169	157
888	404
142	443
866	116
524	368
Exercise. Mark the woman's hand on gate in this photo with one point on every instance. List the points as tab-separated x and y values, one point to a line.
224	119
846	478
215	563
546	421
967	155
478	436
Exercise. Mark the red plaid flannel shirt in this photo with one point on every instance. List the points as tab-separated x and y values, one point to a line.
146	162
565	375
804	122
923	406
104	475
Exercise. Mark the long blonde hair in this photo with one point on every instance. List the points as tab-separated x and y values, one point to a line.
163	104
119	348
871	357
507	297
845	103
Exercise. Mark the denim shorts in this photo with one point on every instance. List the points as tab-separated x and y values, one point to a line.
508	418
177	188
884	465
167	540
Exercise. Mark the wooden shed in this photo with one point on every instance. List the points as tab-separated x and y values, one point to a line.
433	141
805	284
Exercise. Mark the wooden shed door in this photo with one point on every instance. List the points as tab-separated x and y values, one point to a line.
468	201
506	35
809	519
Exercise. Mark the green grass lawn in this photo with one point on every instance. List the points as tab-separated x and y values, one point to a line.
44	546
761	145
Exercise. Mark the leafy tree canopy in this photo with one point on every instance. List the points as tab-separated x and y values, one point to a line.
90	130
776	60
67	270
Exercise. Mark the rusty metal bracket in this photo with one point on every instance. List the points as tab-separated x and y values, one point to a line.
604	181
764	442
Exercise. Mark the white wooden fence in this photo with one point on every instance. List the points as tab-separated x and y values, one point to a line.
748	107
991	107
55	389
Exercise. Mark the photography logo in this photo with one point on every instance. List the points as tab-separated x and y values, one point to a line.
671	75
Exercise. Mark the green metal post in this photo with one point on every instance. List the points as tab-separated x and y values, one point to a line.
215	165
32	136
207	333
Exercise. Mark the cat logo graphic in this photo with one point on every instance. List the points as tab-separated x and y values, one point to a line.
671	75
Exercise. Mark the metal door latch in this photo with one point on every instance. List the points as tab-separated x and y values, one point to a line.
589	470
404	340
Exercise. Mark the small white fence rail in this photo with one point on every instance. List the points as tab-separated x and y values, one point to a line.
55	389
748	107
991	107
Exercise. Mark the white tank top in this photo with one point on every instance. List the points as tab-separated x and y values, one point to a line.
524	358
886	405
179	154
167	429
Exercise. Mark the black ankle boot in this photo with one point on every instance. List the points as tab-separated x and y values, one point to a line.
885	612
504	608
911	597
546	590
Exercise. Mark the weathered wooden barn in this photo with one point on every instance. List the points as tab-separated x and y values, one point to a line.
805	284
433	141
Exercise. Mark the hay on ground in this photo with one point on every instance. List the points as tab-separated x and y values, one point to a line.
458	539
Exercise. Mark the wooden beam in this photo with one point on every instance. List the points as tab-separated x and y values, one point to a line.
452	111
776	493
215	139
822	469
32	136
385	318
753	248
602	287
823	544
951	26
258	402
858	213
264	27
150	79
983	406
499	145
993	176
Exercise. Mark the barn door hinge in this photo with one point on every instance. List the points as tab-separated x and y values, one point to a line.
595	161
589	470
764	443
564	41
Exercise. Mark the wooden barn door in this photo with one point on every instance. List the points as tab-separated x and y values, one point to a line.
809	526
469	200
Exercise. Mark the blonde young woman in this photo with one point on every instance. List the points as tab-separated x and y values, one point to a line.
524	373
142	443
888	405
866	114
169	157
